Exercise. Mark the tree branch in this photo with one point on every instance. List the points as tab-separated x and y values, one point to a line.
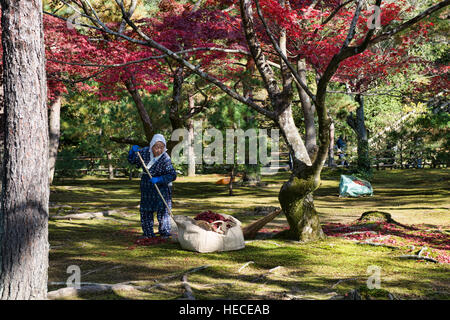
131	141
130	12
257	53
283	56
196	69
409	23
322	112
331	16
352	29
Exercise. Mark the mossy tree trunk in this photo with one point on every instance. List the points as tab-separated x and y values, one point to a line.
297	202
296	194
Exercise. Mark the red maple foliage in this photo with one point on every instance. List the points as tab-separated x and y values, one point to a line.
217	24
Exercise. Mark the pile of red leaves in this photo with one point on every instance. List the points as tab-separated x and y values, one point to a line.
412	238
150	241
394	235
210	216
267	230
131	235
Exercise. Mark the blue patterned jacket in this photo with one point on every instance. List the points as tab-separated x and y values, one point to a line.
150	199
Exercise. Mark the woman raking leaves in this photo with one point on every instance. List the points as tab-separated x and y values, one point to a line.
162	172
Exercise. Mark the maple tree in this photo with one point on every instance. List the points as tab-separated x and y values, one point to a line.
282	40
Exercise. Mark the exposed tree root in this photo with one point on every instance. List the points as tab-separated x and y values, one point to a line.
381	216
370	243
343	280
245	265
84	215
263	276
417	257
358	232
92	287
188	294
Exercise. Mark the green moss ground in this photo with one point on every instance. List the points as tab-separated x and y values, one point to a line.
105	252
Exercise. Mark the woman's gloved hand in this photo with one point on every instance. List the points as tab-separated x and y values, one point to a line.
135	148
155	180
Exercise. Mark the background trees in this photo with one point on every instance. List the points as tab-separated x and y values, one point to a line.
278	59
337	42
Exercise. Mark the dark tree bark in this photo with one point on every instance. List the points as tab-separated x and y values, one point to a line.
54	135
251	175
176	103
230	185
25	192
146	122
191	154
143	114
358	125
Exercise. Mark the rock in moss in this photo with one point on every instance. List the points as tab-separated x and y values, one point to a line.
376	216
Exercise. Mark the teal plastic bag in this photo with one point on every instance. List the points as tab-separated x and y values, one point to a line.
350	186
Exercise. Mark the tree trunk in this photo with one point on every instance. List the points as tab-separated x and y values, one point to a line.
146	122
363	137
175	105
401	153
230	185
110	165
191	154
358	125
25	192
54	135
296	200
308	112
331	147
252	172
296	194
